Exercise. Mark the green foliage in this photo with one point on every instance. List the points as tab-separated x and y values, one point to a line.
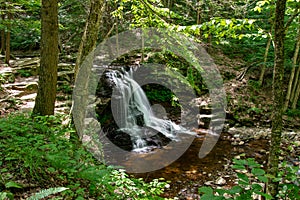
72	17
254	84
135	188
254	110
39	150
5	193
26	34
24	25
180	65
289	181
293	112
45	193
158	93
221	29
252	178
67	89
24	73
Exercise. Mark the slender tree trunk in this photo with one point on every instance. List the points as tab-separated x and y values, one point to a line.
295	84
45	100
199	19
87	46
143	49
7	47
7	39
272	187
263	69
117	36
296	53
198	16
296	97
2	47
209	39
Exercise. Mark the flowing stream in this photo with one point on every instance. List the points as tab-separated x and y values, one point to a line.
133	112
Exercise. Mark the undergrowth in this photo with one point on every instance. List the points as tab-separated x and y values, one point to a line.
252	179
36	153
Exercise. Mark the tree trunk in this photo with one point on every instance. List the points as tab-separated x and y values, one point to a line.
7	39
295	84
90	35
296	53
199	18
296	97
2	47
272	187
263	69
45	100
7	47
88	44
209	39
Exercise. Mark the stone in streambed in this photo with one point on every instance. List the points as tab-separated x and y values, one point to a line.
220	181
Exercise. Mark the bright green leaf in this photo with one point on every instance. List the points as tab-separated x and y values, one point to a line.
257	172
12	184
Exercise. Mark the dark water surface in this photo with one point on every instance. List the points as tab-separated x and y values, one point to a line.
190	172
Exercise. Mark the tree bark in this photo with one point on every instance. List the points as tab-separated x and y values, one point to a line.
90	35
263	69
87	46
293	92
292	80
2	47
45	100
296	97
7	39
272	187
209	39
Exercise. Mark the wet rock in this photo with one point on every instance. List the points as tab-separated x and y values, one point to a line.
208	183
246	133
7	75
192	197
220	181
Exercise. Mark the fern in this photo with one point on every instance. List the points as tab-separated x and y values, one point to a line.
45	193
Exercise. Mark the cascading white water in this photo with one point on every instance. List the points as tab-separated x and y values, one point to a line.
133	112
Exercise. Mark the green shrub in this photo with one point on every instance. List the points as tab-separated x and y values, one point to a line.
293	112
252	178
39	150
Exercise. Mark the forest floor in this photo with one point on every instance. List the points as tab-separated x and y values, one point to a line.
247	125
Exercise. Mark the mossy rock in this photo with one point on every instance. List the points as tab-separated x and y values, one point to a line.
32	87
7	76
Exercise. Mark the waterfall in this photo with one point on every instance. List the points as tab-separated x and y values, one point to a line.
133	113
